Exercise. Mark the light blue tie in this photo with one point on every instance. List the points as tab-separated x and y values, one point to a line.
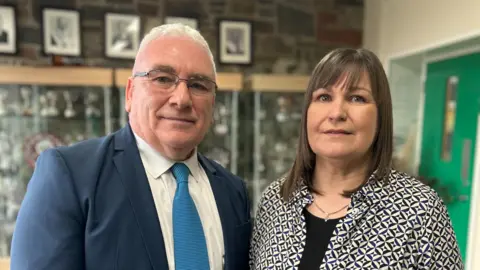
190	247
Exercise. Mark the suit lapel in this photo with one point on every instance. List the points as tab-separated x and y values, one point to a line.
222	199
129	165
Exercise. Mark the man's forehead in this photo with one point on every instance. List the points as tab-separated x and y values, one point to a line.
176	52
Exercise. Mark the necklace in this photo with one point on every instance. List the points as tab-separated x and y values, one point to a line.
327	215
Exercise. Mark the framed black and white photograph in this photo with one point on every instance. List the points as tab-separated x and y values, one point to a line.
192	22
235	39
8	30
122	35
61	32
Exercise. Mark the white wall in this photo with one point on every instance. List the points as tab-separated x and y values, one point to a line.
394	29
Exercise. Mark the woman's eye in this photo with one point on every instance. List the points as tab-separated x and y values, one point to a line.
323	97
358	99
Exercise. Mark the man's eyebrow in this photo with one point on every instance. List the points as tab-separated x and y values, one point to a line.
200	76
164	68
170	69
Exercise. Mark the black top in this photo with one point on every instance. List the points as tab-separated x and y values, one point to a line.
319	233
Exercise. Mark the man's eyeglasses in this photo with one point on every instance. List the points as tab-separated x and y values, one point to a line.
165	81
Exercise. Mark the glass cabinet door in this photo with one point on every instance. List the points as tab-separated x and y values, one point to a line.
220	143
34	118
276	128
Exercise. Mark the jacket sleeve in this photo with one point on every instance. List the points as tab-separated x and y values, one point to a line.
49	232
438	245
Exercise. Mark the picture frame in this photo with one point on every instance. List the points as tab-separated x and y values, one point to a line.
122	35
8	30
235	42
61	31
192	22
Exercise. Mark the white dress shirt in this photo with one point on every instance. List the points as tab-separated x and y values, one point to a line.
163	186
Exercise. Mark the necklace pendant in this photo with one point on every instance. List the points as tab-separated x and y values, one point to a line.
327	217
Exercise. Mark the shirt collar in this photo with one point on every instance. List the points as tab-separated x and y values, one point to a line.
156	164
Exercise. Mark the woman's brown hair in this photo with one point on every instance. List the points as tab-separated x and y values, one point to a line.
352	63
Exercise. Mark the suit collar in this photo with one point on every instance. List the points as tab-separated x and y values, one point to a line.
125	138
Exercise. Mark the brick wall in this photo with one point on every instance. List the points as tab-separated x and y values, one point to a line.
290	36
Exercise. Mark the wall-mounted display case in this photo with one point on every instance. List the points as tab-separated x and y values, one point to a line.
278	104
41	107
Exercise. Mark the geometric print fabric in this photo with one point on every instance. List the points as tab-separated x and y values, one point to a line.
398	224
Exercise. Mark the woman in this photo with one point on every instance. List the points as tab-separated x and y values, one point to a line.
341	206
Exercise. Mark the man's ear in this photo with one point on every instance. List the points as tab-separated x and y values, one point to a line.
128	94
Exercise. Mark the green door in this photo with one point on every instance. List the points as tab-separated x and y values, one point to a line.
452	102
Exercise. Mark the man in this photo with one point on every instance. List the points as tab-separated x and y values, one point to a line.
60	35
141	198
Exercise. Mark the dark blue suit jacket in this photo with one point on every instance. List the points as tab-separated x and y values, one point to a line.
89	206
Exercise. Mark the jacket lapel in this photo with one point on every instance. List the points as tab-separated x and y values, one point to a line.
129	165
221	194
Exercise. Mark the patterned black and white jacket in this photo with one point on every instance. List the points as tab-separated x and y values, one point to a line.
400	225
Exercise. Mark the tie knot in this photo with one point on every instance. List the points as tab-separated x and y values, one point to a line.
180	172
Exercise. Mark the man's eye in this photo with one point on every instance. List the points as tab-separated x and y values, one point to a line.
198	86
164	79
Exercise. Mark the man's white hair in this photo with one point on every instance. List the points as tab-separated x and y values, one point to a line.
178	30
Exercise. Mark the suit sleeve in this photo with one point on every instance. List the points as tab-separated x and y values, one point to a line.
438	245
49	232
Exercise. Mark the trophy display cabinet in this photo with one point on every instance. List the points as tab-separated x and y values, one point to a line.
43	107
221	142
278	104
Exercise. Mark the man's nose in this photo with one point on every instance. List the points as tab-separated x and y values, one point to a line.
181	96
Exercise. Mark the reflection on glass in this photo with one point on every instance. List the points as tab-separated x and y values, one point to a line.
32	119
449	118
218	144
277	129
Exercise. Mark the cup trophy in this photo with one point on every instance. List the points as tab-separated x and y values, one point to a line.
282	115
5	151
69	99
27	104
3	102
91	110
43	104
52	103
221	128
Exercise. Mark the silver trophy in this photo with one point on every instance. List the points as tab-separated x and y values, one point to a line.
90	105
5	151
27	104
221	127
69	99
282	115
43	104
52	98
3	102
